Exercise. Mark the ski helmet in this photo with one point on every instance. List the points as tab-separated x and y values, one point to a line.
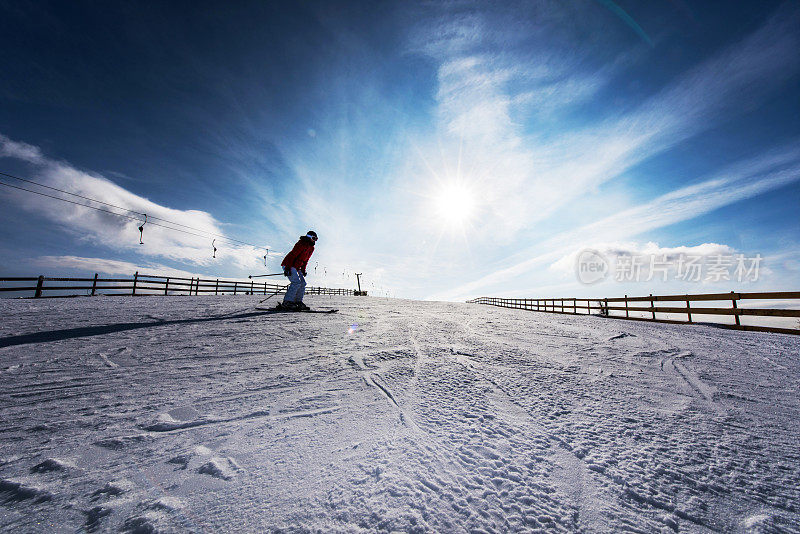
312	234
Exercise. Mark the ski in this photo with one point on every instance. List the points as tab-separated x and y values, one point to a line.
281	310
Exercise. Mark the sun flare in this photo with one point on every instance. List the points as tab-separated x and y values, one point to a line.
455	204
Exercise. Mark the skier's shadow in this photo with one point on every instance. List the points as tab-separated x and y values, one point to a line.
86	331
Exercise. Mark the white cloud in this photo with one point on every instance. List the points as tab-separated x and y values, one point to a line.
120	233
17	150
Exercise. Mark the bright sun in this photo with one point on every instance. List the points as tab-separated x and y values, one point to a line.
455	204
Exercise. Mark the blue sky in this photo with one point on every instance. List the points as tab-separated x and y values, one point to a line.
446	150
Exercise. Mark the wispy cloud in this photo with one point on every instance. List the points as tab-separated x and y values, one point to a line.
18	150
527	176
741	181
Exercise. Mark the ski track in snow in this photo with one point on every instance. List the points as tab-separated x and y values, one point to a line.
199	414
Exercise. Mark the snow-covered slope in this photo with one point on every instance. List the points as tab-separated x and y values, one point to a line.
204	414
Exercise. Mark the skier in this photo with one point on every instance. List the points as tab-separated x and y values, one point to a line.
294	267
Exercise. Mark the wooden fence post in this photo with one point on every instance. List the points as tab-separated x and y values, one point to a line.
216	287
733	300
626	306
94	284
265	288
166	286
251	287
235	286
653	306
688	309
197	287
39	284
135	279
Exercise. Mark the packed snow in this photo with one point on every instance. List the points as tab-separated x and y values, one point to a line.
206	414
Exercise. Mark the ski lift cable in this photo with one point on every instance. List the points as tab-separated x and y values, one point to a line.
67	192
150	217
137	219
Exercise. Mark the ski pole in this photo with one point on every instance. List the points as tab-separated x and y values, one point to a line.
262	275
269	297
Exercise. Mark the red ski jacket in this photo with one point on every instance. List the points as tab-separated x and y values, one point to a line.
300	254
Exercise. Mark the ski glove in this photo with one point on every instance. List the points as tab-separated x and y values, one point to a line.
287	271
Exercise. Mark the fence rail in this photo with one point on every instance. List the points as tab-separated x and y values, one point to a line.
631	308
146	284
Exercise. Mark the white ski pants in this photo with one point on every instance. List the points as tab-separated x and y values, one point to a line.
297	287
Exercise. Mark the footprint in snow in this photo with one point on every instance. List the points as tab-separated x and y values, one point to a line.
51	465
181	461
112	489
222	468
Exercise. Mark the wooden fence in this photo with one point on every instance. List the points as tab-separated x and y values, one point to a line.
145	284
645	308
